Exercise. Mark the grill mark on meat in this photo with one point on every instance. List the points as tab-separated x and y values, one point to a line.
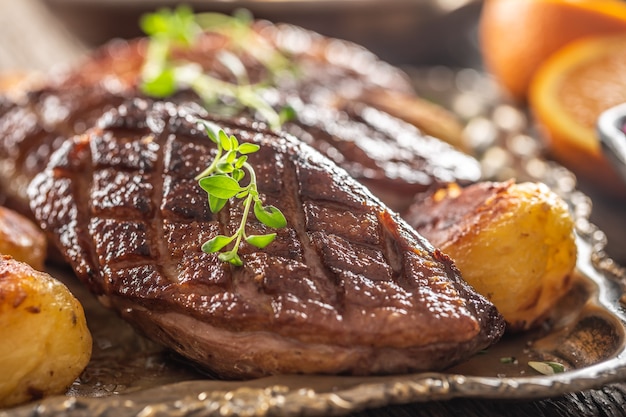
387	155
72	230
411	144
82	217
301	225
376	299
152	162
322	297
166	267
392	252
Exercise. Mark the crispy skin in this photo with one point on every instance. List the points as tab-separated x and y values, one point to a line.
348	287
30	131
334	116
513	242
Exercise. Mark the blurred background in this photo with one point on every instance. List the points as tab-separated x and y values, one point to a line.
416	32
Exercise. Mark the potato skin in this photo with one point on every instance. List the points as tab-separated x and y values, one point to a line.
44	340
22	239
514	243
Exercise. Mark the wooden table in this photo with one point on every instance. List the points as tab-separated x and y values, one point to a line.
610	400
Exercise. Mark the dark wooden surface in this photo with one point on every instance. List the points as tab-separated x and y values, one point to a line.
609	401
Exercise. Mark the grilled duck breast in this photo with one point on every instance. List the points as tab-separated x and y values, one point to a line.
346	288
334	94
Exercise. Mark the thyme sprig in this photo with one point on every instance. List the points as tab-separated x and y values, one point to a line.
222	180
163	75
547	367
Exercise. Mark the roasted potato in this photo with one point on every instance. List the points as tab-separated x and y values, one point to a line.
514	243
44	339
21	239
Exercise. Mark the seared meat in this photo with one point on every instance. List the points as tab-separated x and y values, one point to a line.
393	158
31	130
37	123
347	287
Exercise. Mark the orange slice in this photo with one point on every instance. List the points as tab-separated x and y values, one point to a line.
516	36
568	93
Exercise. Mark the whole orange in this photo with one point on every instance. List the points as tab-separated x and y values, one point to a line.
516	36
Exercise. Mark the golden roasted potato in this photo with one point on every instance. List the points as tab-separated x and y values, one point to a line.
44	340
21	239
514	243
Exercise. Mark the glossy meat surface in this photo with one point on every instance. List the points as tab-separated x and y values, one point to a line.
347	287
333	77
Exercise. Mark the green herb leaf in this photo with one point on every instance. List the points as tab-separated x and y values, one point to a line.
269	215
216	204
164	72
547	367
217	243
234	143
225	142
245	193
154	23
212	131
287	114
163	85
231	257
243	16
240	161
248	148
220	186
178	25
238	174
231	156
221	181
225	167
261	241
